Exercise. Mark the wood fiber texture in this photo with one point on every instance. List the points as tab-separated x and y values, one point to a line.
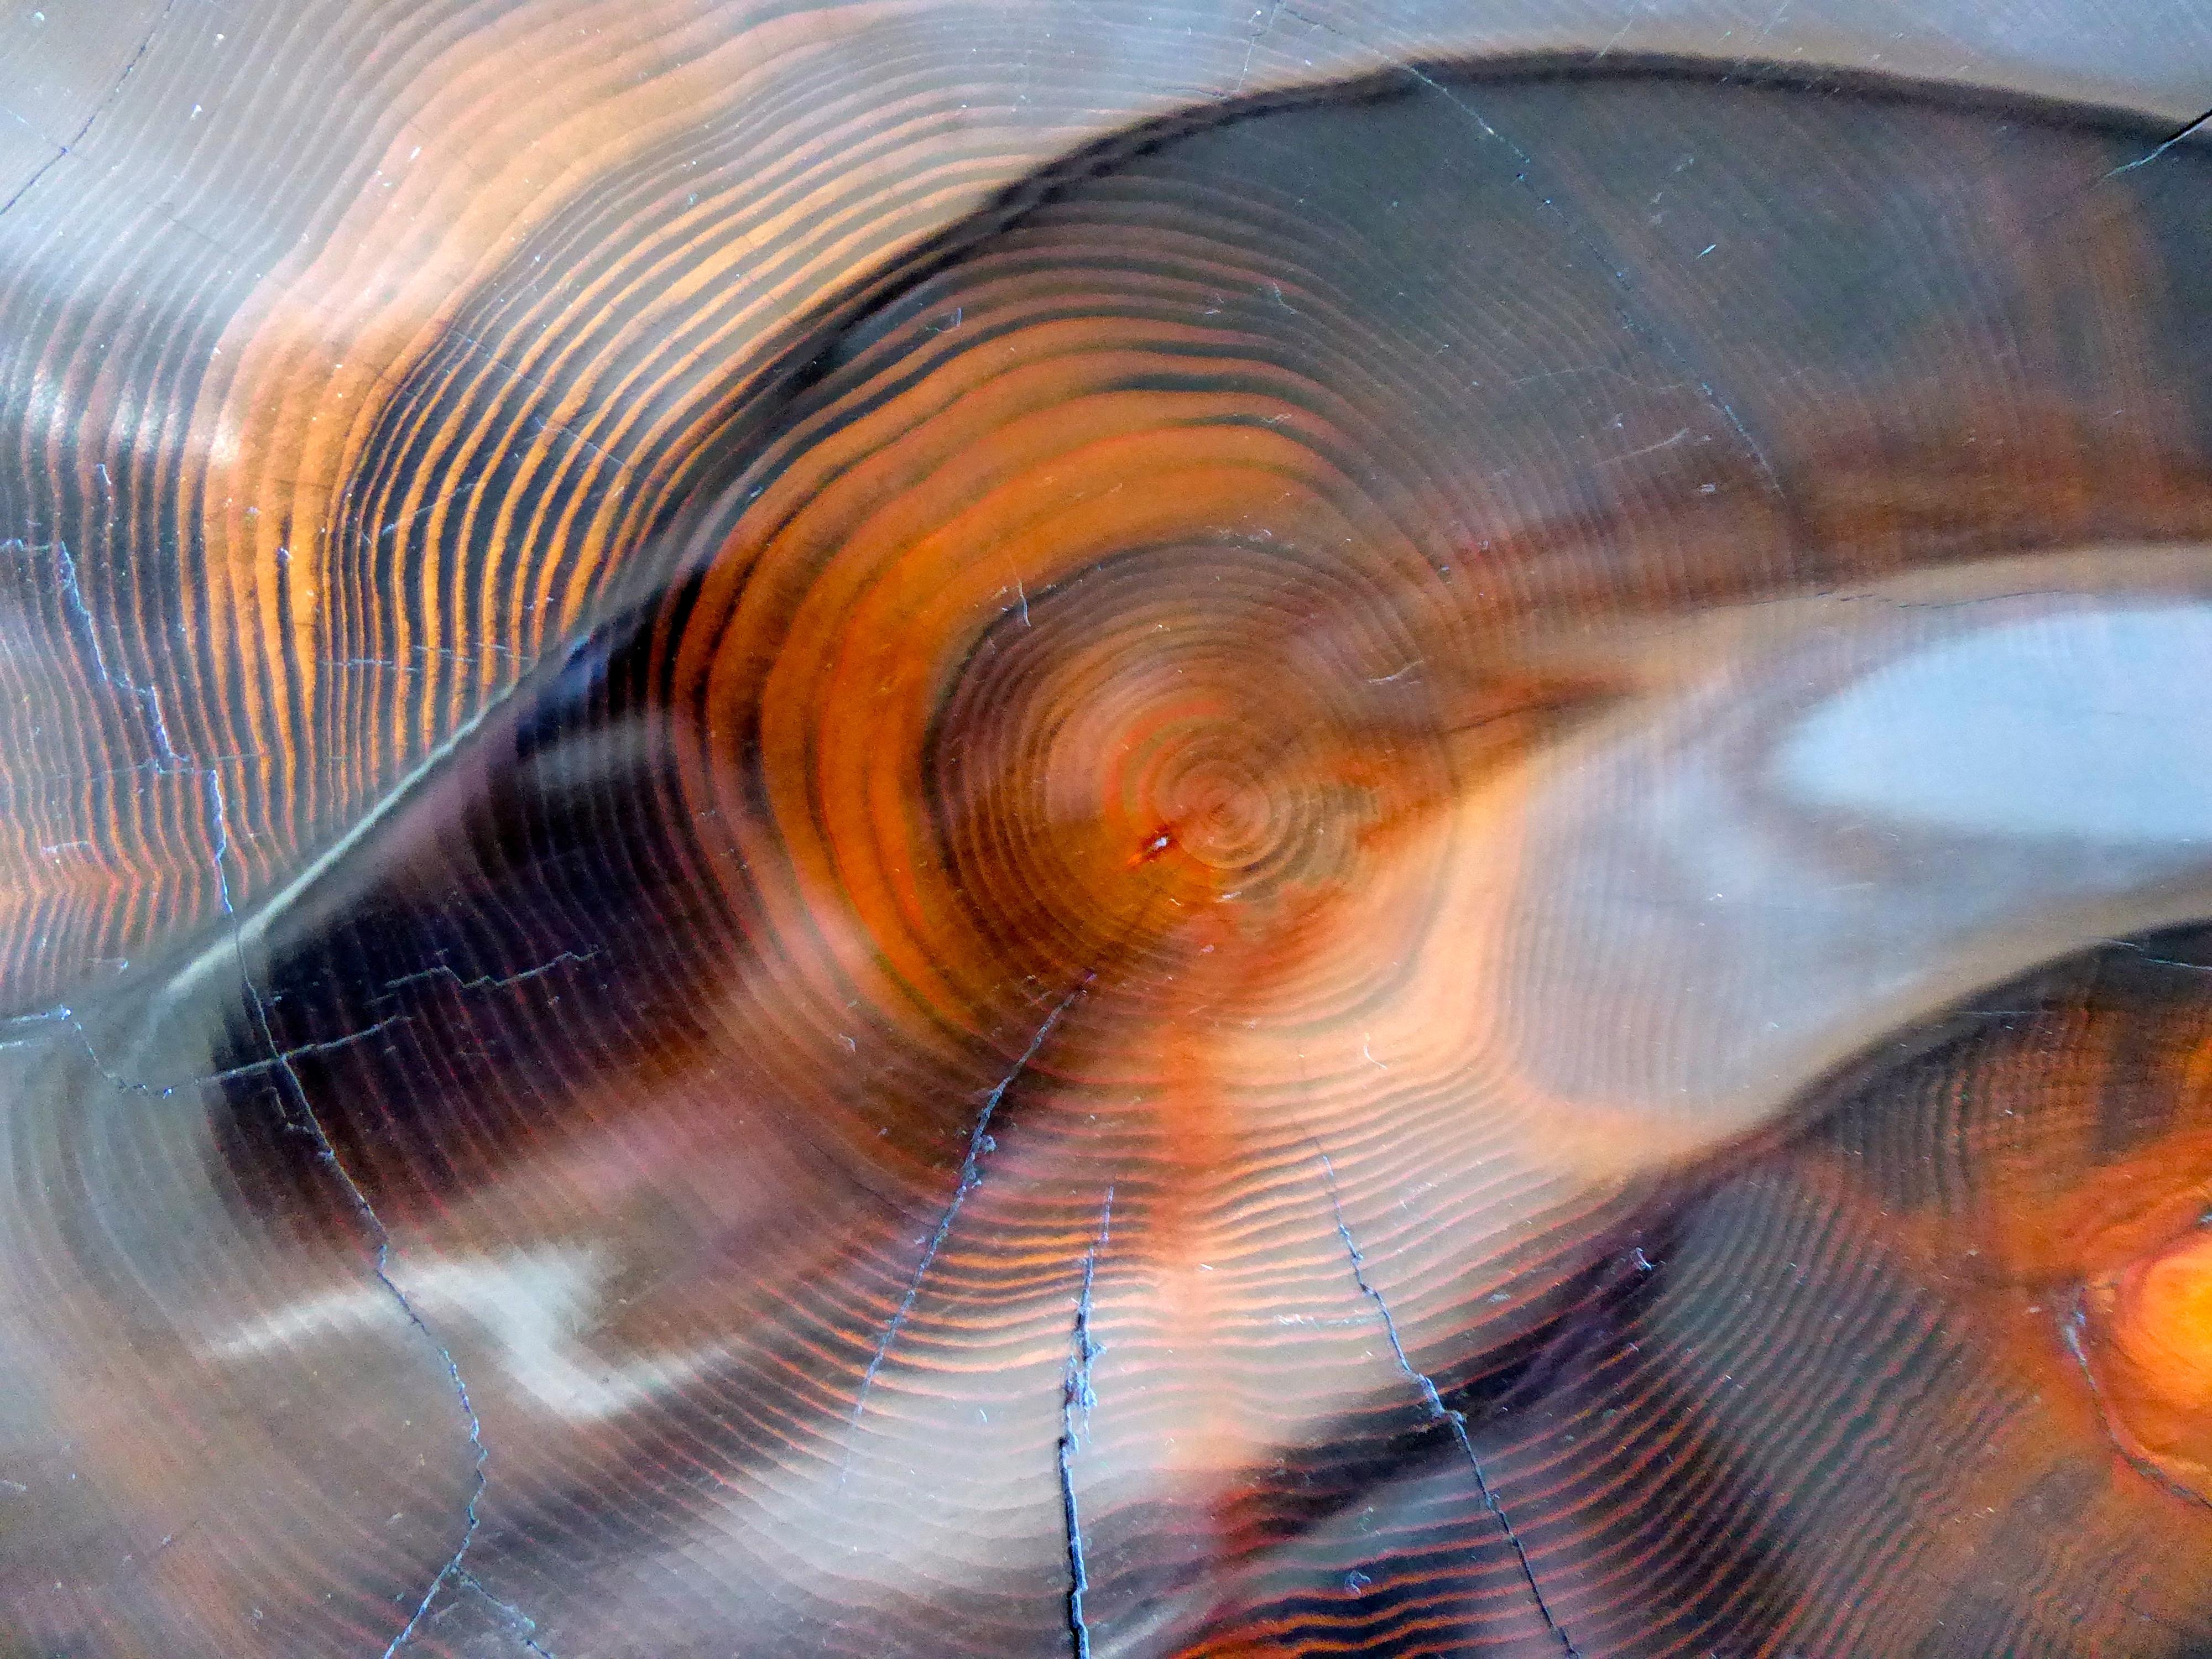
1416	863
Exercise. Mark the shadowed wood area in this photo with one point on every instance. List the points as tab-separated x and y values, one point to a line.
1320	843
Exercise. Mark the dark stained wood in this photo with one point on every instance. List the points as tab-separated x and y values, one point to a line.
1415	866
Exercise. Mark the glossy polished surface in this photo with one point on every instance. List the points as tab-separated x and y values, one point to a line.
1411	864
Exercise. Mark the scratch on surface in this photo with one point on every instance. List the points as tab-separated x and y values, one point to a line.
1759	40
60	1016
2145	953
1438	1412
1526	161
546	423
980	1145
1075	1404
1622	34
385	530
93	114
525	1627
2179	136
1648	449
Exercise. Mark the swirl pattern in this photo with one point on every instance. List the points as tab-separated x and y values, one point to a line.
1405	868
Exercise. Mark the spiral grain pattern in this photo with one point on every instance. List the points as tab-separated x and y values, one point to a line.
1402	867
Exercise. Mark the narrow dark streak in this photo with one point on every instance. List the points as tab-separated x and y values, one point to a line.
1621	278
2178	136
525	1627
384	530
130	1085
1438	1412
96	112
980	1145
537	386
2071	1324
487	982
251	1068
167	758
283	1062
1075	1403
37	174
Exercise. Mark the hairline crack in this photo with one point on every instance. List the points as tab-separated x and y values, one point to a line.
1075	1404
971	1177
1440	1413
380	1236
1646	328
525	1627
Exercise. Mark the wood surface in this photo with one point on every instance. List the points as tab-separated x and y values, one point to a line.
835	833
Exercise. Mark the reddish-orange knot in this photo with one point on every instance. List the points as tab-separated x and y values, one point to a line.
1159	846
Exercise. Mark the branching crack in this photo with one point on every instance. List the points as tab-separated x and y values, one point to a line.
380	1236
1075	1403
979	1147
169	759
1440	1413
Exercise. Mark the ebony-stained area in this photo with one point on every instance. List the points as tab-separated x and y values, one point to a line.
1411	869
